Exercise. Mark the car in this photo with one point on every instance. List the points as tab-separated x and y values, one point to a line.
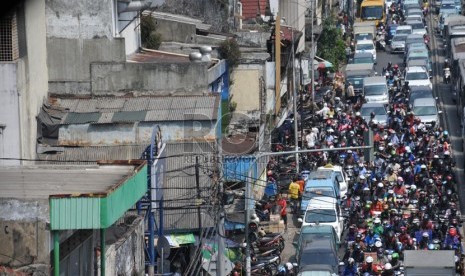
318	252
448	5
417	26
378	109
421	55
417	46
366	46
320	183
404	29
362	58
375	89
413	38
420	62
442	18
413	11
323	210
340	176
426	110
398	43
418	76
417	92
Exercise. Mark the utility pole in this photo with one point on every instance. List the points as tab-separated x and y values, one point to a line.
199	203
277	53
220	260
248	195
312	70
296	128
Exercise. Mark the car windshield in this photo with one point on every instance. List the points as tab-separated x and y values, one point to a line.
415	57
447	6
365	46
398	38
373	12
320	215
415	40
318	191
318	257
374	90
420	94
416	76
363	60
403	31
378	110
366	36
417	26
425	110
357	82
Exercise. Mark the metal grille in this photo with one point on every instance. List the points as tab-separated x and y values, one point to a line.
9	49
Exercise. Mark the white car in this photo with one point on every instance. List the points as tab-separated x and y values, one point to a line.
366	46
324	210
426	110
418	76
340	176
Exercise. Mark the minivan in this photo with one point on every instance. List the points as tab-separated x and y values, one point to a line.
320	183
323	210
340	175
375	89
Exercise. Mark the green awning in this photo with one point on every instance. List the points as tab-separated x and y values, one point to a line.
176	240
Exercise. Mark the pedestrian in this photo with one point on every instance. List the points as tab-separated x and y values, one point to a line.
238	269
281	202
351	93
294	195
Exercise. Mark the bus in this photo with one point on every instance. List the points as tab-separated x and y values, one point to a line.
373	10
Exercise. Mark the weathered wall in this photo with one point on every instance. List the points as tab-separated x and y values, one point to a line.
294	13
32	76
176	31
130	134
125	257
69	61
152	78
213	12
245	88
84	19
24	236
9	114
252	39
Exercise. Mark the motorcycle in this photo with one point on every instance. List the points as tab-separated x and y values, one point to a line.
446	75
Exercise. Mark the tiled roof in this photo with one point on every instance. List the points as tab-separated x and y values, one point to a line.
129	109
250	8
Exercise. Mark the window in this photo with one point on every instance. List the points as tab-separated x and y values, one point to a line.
8	38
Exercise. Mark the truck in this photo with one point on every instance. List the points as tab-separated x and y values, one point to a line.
373	10
364	30
355	73
429	262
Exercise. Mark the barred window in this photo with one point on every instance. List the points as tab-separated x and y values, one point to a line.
8	38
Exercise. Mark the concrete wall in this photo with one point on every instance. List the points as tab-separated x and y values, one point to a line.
131	33
176	31
9	114
129	134
245	88
32	76
150	78
125	257
252	39
294	13
24	236
84	19
69	61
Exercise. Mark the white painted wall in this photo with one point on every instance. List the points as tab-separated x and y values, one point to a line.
294	13
131	33
32	76
9	114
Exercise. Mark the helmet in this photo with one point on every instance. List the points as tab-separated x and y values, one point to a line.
396	66
400	179
377	220
380	185
445	133
369	259
425	235
357	114
270	173
378	244
453	232
351	260
388	266
431	246
289	266
395	255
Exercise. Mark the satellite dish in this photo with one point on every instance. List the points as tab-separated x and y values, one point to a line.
163	247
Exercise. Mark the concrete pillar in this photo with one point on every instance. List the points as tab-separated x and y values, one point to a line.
56	253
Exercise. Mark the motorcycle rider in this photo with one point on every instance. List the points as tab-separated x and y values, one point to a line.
369	267
351	268
388	271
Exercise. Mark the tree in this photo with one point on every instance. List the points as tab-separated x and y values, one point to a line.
331	46
229	50
150	38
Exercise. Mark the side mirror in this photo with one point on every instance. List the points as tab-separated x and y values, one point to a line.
440	112
300	220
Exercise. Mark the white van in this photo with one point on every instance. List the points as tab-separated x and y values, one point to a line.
324	210
375	90
340	176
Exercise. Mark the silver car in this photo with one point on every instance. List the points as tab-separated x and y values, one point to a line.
378	110
398	43
426	110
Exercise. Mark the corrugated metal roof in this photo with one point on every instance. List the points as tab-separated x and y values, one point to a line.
124	109
180	174
129	116
82	118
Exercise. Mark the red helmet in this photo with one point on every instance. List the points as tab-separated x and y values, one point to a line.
453	232
396	66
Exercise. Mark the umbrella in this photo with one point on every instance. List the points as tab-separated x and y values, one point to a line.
325	64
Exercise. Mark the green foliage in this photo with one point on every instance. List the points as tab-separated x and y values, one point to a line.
330	44
150	38
229	50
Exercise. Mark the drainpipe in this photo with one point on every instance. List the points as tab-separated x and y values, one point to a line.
56	253
102	252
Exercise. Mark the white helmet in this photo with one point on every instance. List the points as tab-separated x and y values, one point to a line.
369	259
388	266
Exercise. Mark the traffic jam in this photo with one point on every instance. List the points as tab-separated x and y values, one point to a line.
375	193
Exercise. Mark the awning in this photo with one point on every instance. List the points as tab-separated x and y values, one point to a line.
177	240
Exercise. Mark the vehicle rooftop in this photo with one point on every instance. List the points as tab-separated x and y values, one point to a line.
374	80
424	102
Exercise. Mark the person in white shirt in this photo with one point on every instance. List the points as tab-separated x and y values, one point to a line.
310	138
